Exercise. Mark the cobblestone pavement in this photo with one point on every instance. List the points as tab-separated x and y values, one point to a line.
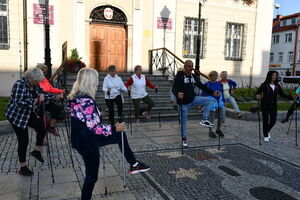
241	169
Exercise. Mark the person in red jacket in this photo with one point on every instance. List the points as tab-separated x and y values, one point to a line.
55	110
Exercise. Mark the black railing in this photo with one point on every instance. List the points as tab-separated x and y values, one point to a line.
168	63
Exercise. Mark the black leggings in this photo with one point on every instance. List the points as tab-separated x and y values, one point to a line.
110	106
269	119
22	135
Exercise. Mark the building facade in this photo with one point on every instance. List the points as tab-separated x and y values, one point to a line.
285	48
234	36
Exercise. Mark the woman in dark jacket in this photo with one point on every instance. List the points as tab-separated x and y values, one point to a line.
269	90
88	133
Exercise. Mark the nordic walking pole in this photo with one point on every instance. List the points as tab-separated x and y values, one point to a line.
129	113
48	149
291	118
156	94
218	124
68	132
123	165
258	112
181	127
109	102
104	171
296	127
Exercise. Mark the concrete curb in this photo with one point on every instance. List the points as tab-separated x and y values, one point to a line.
248	116
5	127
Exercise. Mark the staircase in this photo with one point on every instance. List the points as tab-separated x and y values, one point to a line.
162	60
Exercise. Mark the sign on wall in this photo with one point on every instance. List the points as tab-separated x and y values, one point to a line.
39	11
164	23
108	13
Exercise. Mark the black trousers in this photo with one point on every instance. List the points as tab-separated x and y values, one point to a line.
37	124
55	110
110	106
92	161
269	119
291	110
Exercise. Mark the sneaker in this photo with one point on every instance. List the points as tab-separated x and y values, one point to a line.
25	171
223	123
212	134
219	132
269	135
184	143
284	121
141	167
53	131
238	115
205	123
266	139
37	155
146	114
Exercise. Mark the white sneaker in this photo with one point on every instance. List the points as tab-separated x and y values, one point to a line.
206	123
184	143
269	135
266	139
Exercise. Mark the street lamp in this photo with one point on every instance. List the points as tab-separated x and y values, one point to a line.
47	56
165	14
197	65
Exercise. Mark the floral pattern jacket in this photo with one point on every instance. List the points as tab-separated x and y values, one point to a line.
85	110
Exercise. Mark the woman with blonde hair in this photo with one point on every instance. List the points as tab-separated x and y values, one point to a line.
88	133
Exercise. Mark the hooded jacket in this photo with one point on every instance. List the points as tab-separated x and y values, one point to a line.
86	124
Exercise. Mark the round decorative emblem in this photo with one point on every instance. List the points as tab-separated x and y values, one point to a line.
108	13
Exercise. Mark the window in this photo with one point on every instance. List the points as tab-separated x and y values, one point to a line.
190	37
294	21
291	56
280	57
284	22
4	24
235	41
298	56
276	39
271	57
288	37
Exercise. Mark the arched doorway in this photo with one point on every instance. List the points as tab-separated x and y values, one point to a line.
108	36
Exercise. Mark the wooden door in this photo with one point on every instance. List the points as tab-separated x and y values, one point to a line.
107	47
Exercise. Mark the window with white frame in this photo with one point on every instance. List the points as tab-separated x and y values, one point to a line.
235	41
276	39
290	56
284	22
190	35
293	21
280	57
4	34
271	57
288	37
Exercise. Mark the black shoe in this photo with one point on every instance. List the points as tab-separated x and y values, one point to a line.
284	121
219	132
141	167
212	134
25	171
37	155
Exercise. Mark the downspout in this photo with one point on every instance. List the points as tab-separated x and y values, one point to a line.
253	56
295	50
25	35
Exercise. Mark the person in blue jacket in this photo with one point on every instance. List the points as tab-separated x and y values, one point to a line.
218	102
88	133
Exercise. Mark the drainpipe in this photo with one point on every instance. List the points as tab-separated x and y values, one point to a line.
295	51
25	35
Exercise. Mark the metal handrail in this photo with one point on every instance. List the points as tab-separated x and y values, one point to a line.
167	62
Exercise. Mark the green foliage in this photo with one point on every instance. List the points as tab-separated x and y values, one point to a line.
75	55
3	105
248	94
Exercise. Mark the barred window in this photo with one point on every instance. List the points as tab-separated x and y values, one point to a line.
235	41
4	24
290	56
190	35
271	57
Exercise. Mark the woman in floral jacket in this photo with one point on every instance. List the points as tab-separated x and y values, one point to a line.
88	133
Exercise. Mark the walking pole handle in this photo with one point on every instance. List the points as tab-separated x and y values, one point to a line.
128	92
156	90
108	92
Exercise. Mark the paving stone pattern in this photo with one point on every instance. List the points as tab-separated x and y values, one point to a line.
241	169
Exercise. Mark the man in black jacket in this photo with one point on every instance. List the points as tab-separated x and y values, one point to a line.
183	88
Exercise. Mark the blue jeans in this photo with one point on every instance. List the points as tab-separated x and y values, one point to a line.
92	161
198	101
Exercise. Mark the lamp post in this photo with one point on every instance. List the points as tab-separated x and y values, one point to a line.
165	14
197	65
47	55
